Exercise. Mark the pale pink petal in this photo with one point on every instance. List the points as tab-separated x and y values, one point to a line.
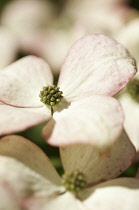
118	194
25	166
13	119
22	81
96	64
131	124
98	166
96	120
9	47
66	201
8	199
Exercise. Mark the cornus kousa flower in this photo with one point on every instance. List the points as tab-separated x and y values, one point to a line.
80	108
85	185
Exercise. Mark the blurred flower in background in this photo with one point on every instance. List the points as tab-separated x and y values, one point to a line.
27	19
8	47
43	31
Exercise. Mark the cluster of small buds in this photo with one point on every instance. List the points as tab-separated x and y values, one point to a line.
51	95
133	89
74	182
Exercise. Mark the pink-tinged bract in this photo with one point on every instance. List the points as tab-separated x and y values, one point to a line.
96	68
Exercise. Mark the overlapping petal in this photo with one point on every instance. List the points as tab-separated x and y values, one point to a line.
8	199
97	166
116	194
13	119
22	81
28	168
96	120
96	64
131	110
66	201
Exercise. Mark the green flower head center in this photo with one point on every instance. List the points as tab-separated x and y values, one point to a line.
51	95
133	89
74	182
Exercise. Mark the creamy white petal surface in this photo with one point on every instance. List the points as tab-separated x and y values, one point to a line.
131	124
96	120
66	201
28	168
121	193
22	81
13	119
96	64
8	199
98	166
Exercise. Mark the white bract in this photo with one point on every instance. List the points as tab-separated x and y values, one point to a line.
96	68
37	186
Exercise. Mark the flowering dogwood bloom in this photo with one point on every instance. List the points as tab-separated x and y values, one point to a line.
86	181
96	68
129	98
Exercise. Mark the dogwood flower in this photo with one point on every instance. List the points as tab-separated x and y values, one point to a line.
86	183
96	68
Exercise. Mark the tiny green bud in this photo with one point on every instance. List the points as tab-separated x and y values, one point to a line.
52	92
58	100
48	96
44	98
52	98
44	88
74	182
52	103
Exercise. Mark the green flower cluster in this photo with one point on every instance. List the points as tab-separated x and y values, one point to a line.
51	95
74	182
